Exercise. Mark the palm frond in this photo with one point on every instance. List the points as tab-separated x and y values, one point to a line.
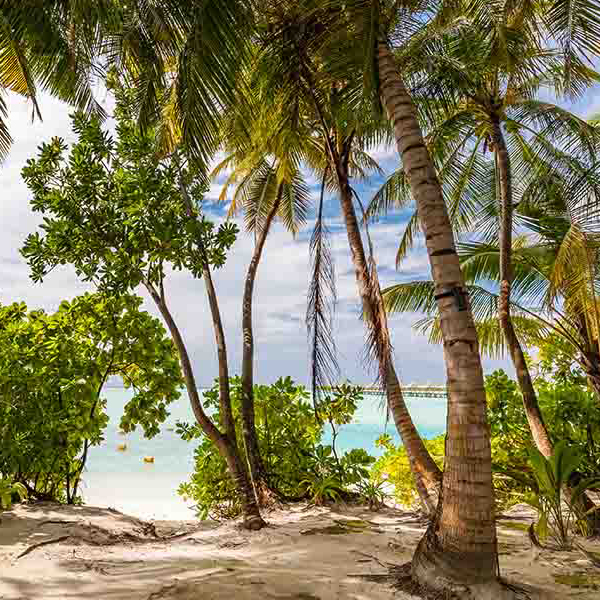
394	193
295	203
408	238
260	198
575	24
5	137
15	73
320	308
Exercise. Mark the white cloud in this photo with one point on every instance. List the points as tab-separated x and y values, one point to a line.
280	298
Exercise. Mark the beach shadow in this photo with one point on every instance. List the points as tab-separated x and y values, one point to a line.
215	577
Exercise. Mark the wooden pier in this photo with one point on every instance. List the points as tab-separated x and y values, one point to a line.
411	390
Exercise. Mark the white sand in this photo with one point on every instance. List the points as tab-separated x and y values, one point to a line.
146	495
305	554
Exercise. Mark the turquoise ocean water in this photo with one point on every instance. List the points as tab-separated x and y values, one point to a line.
124	481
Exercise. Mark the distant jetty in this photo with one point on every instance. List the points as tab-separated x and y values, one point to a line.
412	389
421	390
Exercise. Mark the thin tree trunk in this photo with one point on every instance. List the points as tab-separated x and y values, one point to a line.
426	473
257	469
237	467
459	548
225	445
530	402
224	395
213	302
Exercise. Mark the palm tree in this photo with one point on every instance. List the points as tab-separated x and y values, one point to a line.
459	547
478	88
340	143
555	278
52	47
462	539
304	140
334	143
264	192
555	267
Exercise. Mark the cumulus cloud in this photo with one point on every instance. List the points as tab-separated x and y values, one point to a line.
280	299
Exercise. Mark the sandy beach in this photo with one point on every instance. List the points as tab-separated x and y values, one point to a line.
146	495
52	552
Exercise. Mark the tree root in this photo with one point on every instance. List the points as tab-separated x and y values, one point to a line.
162	591
266	497
595	560
112	538
500	590
31	548
254	523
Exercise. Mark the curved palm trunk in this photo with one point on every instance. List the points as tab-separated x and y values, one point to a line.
459	548
257	469
590	361
589	358
426	473
428	477
227	447
530	403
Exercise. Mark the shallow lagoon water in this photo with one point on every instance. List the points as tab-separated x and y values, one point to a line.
122	480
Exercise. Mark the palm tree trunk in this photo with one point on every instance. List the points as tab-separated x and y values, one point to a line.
589	358
257	469
426	473
227	448
459	548
590	361
530	403
428	477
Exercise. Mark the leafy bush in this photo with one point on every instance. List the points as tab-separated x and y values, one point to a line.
393	467
373	493
289	432
510	438
52	370
559	513
8	490
570	413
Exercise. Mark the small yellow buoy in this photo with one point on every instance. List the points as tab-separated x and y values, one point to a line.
122	447
148	459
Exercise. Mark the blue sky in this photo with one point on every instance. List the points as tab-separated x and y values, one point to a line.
280	299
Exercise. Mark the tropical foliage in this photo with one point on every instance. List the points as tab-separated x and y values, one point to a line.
286	89
552	476
297	463
120	214
53	368
392	468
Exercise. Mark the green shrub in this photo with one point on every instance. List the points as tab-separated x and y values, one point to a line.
559	513
289	433
52	370
571	415
373	493
10	491
394	469
510	438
